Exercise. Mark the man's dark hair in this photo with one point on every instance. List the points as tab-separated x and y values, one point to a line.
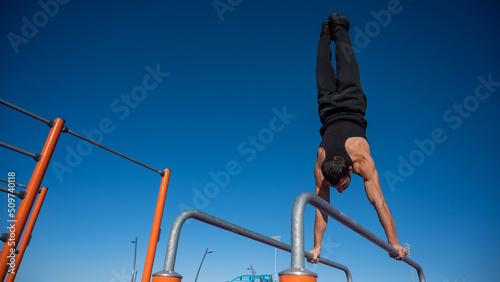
335	168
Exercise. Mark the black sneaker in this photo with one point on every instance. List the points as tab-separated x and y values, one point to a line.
326	30
337	19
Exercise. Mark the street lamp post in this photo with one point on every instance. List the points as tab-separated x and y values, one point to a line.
408	248
206	252
278	238
135	253
254	271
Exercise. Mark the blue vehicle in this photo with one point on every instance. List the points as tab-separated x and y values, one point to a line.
254	278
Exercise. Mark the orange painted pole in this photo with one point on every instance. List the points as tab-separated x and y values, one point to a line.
7	258
27	233
166	279
155	231
297	278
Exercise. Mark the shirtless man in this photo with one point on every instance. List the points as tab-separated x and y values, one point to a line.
344	148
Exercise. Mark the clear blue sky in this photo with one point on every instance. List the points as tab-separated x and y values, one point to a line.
430	72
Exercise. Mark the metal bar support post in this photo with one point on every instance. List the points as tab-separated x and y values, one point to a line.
155	230
33	186
27	234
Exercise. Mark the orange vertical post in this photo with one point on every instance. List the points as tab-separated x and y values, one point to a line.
155	231
297	278
27	233
6	258
166	279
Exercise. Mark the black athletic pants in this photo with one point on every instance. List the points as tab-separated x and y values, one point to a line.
341	97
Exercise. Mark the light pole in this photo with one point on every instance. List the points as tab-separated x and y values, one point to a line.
278	238
408	248
254	271
135	253
206	252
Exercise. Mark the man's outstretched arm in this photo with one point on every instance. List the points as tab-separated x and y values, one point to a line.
323	191
369	173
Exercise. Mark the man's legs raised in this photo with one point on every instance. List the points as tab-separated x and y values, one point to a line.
348	78
325	74
347	66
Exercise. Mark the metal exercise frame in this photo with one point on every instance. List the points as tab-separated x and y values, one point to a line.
28	196
297	272
25	240
26	204
168	273
324	206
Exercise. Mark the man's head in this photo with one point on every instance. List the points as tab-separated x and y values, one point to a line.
336	171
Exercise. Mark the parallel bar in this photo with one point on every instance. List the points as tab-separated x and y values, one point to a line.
27	233
33	186
36	157
298	230
173	240
20	194
155	230
162	173
17	184
25	112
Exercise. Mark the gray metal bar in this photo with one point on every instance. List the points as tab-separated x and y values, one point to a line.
112	151
50	123
25	112
324	206
36	157
173	240
17	184
20	194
